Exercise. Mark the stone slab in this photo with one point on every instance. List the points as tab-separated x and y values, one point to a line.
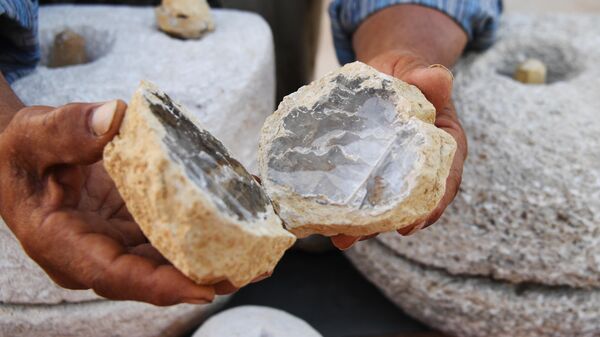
529	206
226	78
477	306
101	319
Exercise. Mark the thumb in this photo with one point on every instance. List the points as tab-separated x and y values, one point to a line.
435	82
72	134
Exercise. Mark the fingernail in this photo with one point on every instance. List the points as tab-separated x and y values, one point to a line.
102	117
194	301
417	228
441	66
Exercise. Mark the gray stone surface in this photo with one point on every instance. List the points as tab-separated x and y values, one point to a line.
529	207
226	78
478	306
101	319
255	321
23	281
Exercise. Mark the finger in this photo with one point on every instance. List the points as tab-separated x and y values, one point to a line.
72	134
452	186
435	82
368	237
225	288
148	251
343	242
103	264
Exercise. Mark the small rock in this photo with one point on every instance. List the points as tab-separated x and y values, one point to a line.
532	71
354	153
255	321
187	19
68	49
198	206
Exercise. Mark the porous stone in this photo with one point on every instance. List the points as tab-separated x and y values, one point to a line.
532	71
477	306
124	47
196	204
69	48
101	319
355	152
22	281
518	251
255	321
188	19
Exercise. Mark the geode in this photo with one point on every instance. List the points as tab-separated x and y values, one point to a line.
198	206
355	152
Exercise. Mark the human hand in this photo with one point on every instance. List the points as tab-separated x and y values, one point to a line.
435	81
63	207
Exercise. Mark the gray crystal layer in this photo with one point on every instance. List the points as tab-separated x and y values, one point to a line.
207	162
348	148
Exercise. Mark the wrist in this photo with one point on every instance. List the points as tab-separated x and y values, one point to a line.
421	32
10	104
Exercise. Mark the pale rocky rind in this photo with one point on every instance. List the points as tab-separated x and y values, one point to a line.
187	19
235	236
383	103
255	321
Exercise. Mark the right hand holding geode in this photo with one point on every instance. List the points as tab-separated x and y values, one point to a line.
63	207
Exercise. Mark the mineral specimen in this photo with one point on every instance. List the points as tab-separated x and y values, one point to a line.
187	19
198	206
69	48
354	153
532	71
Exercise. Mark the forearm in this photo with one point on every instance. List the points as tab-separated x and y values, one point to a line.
9	103
412	29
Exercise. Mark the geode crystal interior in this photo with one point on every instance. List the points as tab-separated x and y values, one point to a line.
207	163
346	153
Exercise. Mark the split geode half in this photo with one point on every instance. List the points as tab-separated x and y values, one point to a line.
354	153
185	19
198	206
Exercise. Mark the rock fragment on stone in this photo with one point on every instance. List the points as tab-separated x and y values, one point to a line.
69	48
187	19
354	153
255	321
531	71
198	206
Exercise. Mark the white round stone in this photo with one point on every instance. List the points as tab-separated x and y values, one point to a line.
255	321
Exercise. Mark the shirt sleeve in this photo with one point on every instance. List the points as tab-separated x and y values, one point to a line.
478	18
19	48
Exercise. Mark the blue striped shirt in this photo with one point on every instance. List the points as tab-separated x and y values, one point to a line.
20	52
478	18
19	48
